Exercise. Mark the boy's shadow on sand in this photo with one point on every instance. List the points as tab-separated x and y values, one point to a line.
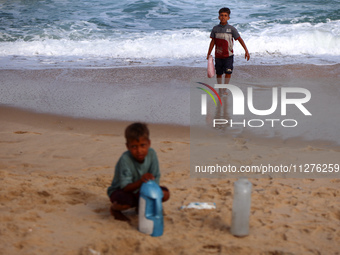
102	210
96	204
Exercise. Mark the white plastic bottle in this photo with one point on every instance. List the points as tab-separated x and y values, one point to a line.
241	207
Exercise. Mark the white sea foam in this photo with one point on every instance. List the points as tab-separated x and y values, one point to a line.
104	33
304	40
297	39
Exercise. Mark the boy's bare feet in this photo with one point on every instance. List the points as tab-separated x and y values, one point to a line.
223	92
116	209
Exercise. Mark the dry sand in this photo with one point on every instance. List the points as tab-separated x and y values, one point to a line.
54	172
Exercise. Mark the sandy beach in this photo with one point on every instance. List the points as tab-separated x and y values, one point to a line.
54	171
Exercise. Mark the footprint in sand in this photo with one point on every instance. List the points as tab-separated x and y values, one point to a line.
335	214
169	142
77	196
166	150
211	248
26	132
325	193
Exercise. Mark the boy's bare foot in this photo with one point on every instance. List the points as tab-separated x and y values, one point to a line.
119	216
116	209
223	92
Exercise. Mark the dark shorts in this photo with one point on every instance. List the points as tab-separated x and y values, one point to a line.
224	65
127	198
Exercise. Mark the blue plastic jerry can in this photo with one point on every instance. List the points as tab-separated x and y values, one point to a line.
150	218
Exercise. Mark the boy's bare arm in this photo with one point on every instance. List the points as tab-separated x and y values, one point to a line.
211	46
247	56
136	185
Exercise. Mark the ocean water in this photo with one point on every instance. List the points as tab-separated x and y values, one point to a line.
111	33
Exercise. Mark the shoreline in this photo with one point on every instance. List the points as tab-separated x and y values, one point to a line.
171	81
237	67
34	119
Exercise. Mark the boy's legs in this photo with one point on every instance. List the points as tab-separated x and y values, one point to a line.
226	81
224	66
116	211
166	193
121	201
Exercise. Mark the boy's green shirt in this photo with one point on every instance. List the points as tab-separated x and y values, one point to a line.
128	170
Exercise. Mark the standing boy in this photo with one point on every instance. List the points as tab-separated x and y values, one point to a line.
222	37
137	165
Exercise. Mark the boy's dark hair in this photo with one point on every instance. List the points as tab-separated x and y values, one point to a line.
224	9
135	131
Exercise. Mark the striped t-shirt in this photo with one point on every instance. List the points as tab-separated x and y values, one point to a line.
224	42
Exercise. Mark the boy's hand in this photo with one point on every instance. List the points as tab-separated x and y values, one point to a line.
247	56
147	177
